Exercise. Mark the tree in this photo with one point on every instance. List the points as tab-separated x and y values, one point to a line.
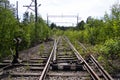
80	25
26	17
32	18
53	25
115	11
5	4
8	28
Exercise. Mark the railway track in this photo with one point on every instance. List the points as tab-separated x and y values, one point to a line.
96	66
68	64
61	62
31	65
64	64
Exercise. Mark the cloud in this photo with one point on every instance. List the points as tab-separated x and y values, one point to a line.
84	8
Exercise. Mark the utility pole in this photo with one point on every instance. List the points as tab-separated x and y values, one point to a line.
36	11
17	10
77	20
36	20
5	4
47	20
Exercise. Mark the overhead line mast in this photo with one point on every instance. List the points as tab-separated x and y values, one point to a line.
36	13
63	16
35	10
17	9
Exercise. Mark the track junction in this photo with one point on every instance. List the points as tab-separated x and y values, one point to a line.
59	60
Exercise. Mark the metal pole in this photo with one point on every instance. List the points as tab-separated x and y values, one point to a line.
17	9
47	20
77	19
36	11
36	20
5	4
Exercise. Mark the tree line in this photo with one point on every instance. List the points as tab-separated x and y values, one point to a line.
11	27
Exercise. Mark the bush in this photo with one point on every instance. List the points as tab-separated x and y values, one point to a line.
110	49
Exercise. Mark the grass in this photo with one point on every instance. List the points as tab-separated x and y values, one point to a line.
41	49
27	67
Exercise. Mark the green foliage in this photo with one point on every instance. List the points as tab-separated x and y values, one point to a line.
26	18
34	33
11	28
115	11
44	31
57	32
71	34
41	49
109	55
8	28
53	26
104	61
110	49
113	48
98	31
80	25
103	34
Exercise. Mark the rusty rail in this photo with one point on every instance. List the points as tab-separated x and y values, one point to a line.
55	55
101	69
88	68
47	66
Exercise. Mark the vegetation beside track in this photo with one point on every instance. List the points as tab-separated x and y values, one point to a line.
102	37
11	28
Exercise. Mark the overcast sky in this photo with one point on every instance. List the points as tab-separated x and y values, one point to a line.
83	8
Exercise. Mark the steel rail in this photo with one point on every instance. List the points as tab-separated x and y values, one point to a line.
82	46
4	68
89	69
101	69
55	50
47	66
54	54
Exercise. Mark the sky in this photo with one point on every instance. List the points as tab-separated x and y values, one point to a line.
81	8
